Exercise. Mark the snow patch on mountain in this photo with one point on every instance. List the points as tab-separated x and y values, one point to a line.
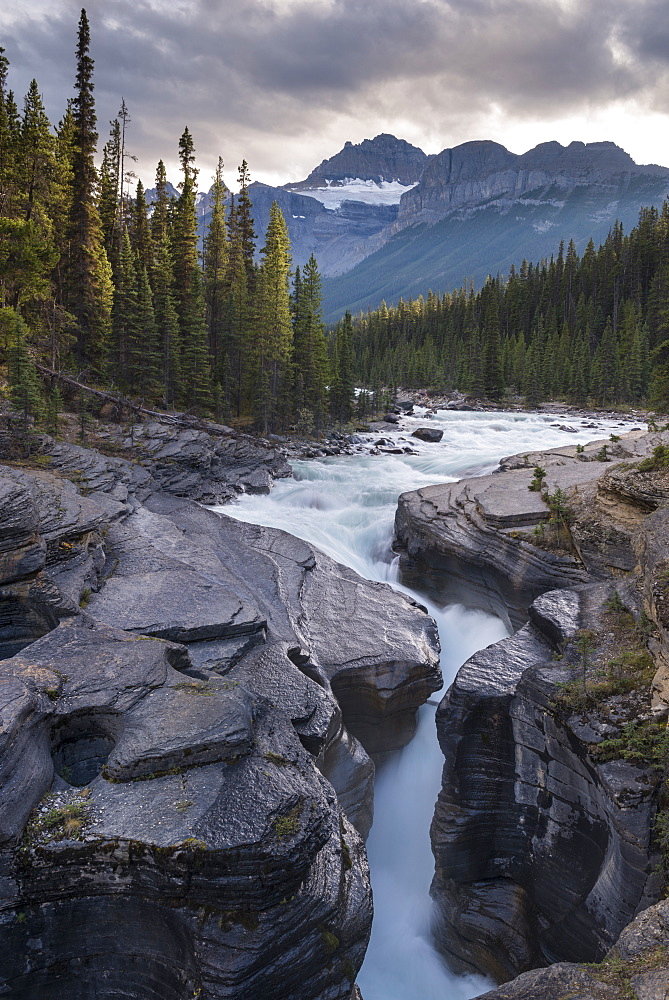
357	189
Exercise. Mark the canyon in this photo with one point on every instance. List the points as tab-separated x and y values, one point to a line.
190	735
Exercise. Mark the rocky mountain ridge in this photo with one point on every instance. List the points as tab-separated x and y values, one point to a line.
386	220
484	172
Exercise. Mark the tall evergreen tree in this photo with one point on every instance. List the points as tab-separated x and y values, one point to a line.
24	385
236	360
274	334
216	258
167	323
109	205
342	395
189	298
89	289
241	221
310	357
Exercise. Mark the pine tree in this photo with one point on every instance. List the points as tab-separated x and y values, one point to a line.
494	378
24	385
242	221
237	351
109	204
160	217
89	290
342	395
143	348
216	258
140	232
274	334
9	133
167	323
310	357
124	314
189	298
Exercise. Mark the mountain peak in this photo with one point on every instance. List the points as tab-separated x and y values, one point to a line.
385	158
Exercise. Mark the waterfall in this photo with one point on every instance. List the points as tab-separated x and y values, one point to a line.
345	506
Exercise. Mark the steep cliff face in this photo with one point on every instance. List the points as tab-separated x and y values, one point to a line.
637	965
542	853
542	834
478	173
183	781
480	540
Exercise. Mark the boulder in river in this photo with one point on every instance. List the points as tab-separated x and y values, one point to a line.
428	434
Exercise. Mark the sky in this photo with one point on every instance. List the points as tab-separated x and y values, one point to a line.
284	83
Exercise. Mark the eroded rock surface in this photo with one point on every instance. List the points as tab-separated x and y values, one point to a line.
543	841
542	853
202	831
476	540
637	965
180	774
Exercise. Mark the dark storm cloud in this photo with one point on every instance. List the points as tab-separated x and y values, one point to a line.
252	72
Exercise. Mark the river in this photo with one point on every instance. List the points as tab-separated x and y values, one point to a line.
345	505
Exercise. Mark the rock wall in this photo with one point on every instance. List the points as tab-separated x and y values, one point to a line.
476	173
182	793
542	854
637	965
543	847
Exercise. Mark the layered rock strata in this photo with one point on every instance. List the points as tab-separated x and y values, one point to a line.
637	965
543	844
478	540
184	752
542	853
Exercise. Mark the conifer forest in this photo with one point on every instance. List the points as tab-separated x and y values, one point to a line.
123	295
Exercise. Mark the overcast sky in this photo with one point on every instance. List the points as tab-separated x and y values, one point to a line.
284	83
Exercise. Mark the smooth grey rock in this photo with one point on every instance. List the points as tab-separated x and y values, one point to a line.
472	541
541	853
380	668
428	434
557	982
229	865
160	587
645	941
204	832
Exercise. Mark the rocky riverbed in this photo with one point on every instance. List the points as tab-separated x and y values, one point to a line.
190	707
543	832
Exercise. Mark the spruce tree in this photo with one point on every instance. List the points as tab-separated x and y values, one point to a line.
167	323
342	395
124	314
310	358
216	257
189	298
89	289
160	217
274	334
140	232
237	353
109	204
144	349
24	385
